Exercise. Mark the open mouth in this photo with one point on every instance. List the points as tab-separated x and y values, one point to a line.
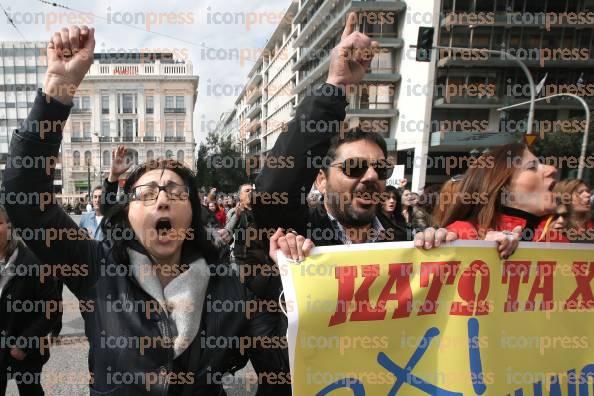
163	226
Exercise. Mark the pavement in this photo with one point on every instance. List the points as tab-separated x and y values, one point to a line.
69	356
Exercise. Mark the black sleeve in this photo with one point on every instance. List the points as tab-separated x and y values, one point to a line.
28	194
47	289
109	195
281	191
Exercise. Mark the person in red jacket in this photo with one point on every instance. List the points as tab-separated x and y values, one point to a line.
508	191
221	215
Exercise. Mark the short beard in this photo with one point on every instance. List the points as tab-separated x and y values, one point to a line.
345	213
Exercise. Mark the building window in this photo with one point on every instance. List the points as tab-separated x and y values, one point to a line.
76	158
75	129
150	128
86	103
377	96
128	104
150	105
180	155
175	104
88	159
169	104
76	103
106	159
180	103
169	154
104	128
169	130
87	130
179	128
128	130
150	155
104	104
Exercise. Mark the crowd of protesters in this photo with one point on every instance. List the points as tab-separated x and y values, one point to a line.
160	244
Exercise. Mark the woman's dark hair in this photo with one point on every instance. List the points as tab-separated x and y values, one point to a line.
483	186
392	191
116	216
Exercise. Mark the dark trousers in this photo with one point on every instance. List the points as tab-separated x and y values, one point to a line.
28	382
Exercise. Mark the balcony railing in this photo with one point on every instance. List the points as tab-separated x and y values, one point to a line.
149	139
175	110
147	69
127	138
169	139
77	110
104	139
78	139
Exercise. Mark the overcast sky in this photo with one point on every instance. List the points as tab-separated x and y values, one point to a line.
198	24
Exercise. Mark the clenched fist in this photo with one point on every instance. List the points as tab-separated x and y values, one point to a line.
69	58
351	58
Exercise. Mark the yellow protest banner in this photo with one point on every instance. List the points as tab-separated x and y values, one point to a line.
389	319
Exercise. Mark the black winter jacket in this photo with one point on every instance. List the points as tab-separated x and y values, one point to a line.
118	362
30	307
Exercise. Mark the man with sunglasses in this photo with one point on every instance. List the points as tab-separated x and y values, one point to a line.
355	164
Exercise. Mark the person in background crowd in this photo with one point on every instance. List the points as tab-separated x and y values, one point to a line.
390	214
428	201
18	326
218	210
212	220
248	248
169	264
415	218
514	196
91	220
229	204
240	218
576	193
561	219
314	198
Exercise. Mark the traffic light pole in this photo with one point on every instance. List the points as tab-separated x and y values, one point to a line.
582	161
510	57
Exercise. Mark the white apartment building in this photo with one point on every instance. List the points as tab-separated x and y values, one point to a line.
144	101
22	72
266	104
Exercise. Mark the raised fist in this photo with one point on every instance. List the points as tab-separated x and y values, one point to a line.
69	58
351	58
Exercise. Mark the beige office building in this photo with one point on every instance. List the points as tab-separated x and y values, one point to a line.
144	101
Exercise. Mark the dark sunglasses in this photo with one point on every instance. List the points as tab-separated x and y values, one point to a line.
561	214
357	167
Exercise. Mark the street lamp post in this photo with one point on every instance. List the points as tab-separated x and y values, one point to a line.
582	161
524	69
100	157
89	178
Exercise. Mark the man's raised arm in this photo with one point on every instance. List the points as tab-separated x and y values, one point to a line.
280	194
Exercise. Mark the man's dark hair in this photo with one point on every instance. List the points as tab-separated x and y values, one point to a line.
354	135
241	186
97	188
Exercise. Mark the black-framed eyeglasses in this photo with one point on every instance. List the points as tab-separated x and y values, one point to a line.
357	167
150	192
